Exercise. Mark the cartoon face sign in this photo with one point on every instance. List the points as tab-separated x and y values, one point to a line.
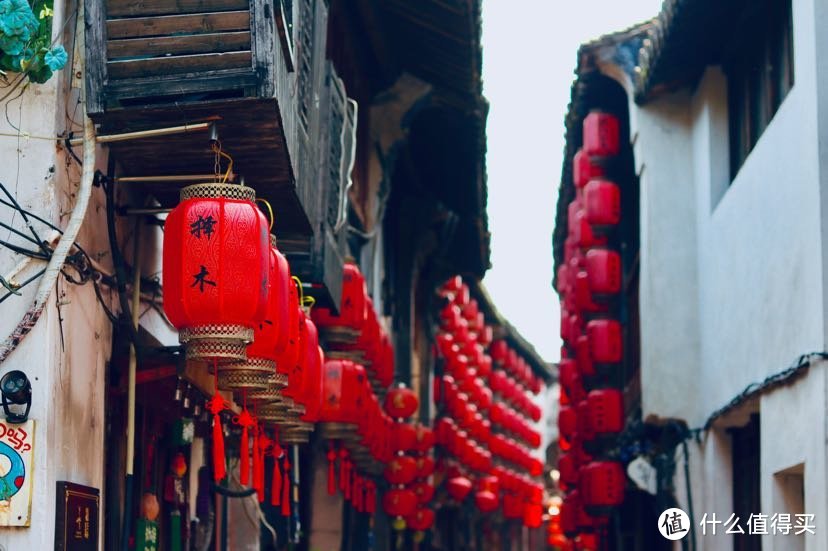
12	472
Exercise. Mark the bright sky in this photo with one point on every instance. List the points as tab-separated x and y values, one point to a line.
529	49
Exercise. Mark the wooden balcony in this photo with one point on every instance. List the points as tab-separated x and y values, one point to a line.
160	63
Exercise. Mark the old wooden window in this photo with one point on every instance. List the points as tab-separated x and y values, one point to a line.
760	69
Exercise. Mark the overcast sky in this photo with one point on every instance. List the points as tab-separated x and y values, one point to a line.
529	51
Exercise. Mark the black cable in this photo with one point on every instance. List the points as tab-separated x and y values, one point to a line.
37	275
24	251
68	144
41	220
19	233
118	262
25	218
802	363
689	495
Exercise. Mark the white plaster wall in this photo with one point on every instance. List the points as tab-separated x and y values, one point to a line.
748	255
67	373
667	288
793	431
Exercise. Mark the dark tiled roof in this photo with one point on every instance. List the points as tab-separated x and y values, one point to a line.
686	36
592	90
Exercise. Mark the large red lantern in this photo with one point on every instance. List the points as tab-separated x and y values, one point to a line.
399	502
603	268
602	484
486	501
602	134
258	371
584	169
421	520
347	325
533	515
215	269
401	470
424	491
602	203
458	487
606	411
605	341
401	402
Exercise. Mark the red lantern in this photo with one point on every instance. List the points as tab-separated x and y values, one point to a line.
424	491
425	466
215	266
352	309
533	515
603	268
452	285
602	134
606	411
458	487
399	502
403	437
258	371
401	402
421	520
602	203
486	501
584	169
401	470
605	341
602	484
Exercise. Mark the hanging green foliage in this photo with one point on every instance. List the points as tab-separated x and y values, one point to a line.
26	39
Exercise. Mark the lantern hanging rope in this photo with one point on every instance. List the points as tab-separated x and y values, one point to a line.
270	214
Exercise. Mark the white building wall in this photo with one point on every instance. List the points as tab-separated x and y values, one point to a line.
66	361
732	280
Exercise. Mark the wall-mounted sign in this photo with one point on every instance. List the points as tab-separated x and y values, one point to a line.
76	517
16	475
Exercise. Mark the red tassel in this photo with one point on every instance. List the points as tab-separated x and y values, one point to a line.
215	405
276	485
286	489
219	469
331	467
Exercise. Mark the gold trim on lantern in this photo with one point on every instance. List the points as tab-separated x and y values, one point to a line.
252	374
218	190
338	334
339	431
296	432
216	342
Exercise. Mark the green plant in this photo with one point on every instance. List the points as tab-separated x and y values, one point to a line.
26	39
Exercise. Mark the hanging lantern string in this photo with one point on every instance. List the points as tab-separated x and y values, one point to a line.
306	302
216	147
272	217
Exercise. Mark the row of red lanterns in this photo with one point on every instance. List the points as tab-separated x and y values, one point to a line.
590	281
474	391
229	292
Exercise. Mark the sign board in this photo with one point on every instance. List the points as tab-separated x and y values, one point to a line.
16	472
76	517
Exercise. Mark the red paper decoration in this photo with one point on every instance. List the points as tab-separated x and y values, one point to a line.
215	266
